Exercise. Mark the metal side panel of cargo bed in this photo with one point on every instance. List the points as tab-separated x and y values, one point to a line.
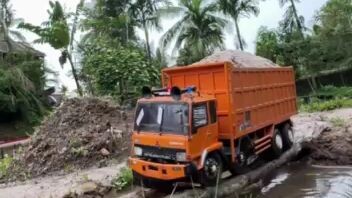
262	97
210	79
247	98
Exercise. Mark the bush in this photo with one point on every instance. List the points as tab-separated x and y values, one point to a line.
116	70
4	165
334	92
22	81
123	180
319	105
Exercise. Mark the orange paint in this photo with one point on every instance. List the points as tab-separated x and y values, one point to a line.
248	100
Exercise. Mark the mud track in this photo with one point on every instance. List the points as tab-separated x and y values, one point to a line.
308	128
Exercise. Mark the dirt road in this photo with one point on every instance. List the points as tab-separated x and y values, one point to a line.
307	127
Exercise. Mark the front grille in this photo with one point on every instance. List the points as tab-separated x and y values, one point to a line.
159	153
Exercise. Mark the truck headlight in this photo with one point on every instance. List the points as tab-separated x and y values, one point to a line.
181	156
138	151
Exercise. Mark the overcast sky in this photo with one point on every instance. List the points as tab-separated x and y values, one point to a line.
35	12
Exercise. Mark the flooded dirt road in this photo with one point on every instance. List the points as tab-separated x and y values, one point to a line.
300	180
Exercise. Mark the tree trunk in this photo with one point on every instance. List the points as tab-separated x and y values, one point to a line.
299	25
239	35
234	186
74	72
146	33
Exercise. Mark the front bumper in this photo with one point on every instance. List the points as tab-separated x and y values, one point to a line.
162	171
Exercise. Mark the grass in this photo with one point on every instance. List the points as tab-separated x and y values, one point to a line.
123	180
328	98
4	165
318	105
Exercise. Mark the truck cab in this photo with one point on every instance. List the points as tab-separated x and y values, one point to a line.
175	137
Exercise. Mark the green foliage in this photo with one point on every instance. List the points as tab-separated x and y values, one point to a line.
123	179
57	34
327	47
198	32
109	18
117	70
145	15
4	165
319	105
267	44
331	91
55	31
237	9
22	80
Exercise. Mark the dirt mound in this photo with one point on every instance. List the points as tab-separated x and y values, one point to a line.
80	133
333	147
238	59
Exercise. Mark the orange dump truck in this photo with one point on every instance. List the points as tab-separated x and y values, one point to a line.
216	117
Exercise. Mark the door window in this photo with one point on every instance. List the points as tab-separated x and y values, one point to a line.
212	111
200	117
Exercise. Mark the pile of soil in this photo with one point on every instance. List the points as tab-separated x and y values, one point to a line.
81	133
333	147
238	59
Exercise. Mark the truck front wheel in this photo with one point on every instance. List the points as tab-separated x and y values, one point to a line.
212	170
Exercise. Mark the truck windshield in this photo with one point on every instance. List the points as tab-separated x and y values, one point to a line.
162	118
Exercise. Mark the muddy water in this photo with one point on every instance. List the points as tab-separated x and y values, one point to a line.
301	180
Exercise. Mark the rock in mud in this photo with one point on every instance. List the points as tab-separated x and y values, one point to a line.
333	147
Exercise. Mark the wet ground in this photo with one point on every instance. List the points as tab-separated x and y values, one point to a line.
300	180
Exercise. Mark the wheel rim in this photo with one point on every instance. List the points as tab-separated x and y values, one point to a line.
278	141
211	168
290	135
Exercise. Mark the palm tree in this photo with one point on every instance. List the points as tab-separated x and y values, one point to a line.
7	21
108	18
291	16
199	30
144	14
237	9
22	73
56	32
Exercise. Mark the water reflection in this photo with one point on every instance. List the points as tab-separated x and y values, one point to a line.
304	181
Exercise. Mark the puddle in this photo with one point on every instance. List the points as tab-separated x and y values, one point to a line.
304	181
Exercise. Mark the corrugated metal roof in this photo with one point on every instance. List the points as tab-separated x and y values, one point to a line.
18	47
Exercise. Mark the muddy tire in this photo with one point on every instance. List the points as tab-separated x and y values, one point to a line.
287	136
241	166
211	171
277	145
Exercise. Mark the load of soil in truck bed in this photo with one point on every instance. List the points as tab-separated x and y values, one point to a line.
82	132
238	59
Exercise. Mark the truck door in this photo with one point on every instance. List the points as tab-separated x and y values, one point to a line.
199	128
204	127
212	134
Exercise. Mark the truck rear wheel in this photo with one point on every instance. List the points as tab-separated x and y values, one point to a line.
212	170
277	144
287	136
